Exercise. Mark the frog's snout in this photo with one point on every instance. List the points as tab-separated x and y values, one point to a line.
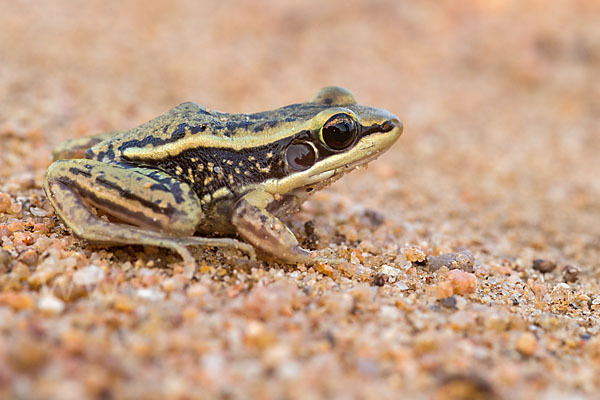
394	126
395	123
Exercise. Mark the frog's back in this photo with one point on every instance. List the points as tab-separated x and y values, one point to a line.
180	126
187	119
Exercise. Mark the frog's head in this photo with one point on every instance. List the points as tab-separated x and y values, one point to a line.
338	135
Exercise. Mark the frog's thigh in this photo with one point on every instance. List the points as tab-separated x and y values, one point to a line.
265	231
142	197
75	148
72	184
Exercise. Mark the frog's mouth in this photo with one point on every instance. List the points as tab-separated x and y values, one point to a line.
334	166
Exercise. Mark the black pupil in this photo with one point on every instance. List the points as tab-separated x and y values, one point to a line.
338	132
300	156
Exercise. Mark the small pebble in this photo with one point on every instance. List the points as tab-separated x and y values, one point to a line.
42	275
374	217
462	260
18	301
15	208
526	344
389	270
465	386
50	305
5	202
448	302
461	320
123	303
89	276
152	294
21	271
462	282
5	257
27	354
16	226
415	255
347	269
38	212
538	289
25	238
426	342
369	247
380	279
173	283
29	257
570	273
443	290
73	340
326	270
544	266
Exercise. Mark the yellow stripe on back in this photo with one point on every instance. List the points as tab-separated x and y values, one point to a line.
236	142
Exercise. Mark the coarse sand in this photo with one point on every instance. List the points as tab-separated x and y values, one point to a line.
472	246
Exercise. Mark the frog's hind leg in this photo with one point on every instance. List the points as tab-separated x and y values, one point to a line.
162	211
75	148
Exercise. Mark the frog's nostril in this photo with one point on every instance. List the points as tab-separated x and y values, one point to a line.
397	123
389	125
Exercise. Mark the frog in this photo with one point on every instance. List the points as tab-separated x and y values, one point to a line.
198	177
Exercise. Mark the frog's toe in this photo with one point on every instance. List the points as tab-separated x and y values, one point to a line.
189	263
313	257
329	260
246	248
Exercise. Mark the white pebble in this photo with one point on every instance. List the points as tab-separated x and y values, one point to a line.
150	294
38	212
389	313
389	270
88	276
50	305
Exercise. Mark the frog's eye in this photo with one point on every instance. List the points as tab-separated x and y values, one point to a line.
300	156
339	132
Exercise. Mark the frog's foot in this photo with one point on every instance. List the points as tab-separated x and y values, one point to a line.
328	260
124	234
299	255
267	233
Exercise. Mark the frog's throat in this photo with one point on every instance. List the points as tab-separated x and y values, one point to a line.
366	150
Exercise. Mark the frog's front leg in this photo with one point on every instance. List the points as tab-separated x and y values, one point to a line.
162	211
269	234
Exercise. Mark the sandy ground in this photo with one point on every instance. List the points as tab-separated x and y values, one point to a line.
500	101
